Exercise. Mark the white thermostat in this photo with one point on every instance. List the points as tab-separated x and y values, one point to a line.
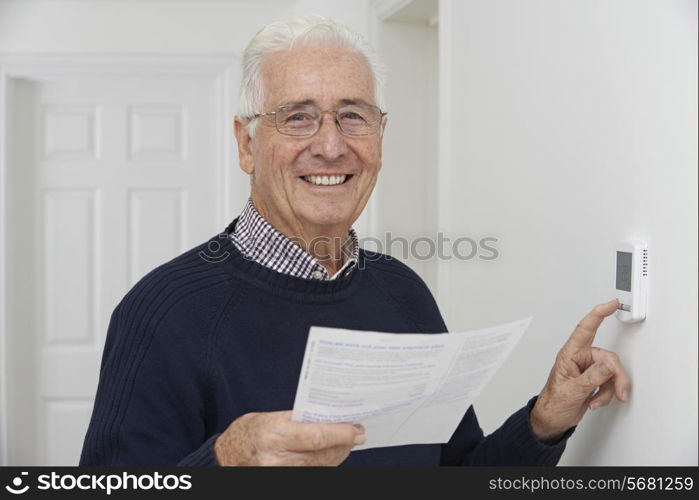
631	281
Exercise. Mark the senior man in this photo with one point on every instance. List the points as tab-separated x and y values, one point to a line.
203	355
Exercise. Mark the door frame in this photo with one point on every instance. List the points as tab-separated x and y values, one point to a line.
381	11
221	68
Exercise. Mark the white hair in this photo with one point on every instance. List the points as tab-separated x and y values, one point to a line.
284	35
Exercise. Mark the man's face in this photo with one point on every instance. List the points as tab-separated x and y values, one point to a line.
327	77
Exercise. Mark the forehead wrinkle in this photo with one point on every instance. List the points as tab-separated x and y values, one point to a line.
337	103
303	81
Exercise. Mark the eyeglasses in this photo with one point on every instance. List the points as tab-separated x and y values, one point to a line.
303	120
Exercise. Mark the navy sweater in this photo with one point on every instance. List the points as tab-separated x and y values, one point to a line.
210	336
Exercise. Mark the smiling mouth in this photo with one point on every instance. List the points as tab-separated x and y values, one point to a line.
327	180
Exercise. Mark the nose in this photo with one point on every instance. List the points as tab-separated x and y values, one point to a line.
328	141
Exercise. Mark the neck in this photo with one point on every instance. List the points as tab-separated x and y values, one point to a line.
323	242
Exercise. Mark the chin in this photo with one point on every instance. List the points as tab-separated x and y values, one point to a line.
329	221
328	216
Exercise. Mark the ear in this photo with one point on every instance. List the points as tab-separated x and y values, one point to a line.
384	121
244	139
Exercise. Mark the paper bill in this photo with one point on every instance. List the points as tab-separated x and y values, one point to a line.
404	388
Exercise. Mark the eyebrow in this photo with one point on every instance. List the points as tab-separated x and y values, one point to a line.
343	102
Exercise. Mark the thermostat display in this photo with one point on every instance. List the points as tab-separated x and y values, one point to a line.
623	271
631	284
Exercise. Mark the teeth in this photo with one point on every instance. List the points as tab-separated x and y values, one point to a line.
325	180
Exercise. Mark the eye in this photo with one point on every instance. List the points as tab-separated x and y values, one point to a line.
352	116
298	117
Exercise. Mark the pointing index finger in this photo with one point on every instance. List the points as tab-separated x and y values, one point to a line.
585	331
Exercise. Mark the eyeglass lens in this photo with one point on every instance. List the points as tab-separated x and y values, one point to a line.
304	119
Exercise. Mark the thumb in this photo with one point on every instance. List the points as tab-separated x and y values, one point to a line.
596	375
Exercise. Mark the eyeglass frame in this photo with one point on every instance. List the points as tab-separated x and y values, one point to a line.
320	119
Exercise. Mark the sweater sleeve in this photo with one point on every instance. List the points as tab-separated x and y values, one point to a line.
513	443
202	457
152	395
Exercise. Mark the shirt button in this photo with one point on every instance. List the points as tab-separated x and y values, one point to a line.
317	274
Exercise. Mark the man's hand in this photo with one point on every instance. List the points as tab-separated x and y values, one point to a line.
580	369
272	438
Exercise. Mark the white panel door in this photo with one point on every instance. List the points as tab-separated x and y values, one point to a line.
110	176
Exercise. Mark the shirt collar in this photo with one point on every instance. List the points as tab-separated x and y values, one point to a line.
258	240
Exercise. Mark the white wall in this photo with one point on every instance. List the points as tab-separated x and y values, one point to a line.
135	26
354	13
574	125
406	190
